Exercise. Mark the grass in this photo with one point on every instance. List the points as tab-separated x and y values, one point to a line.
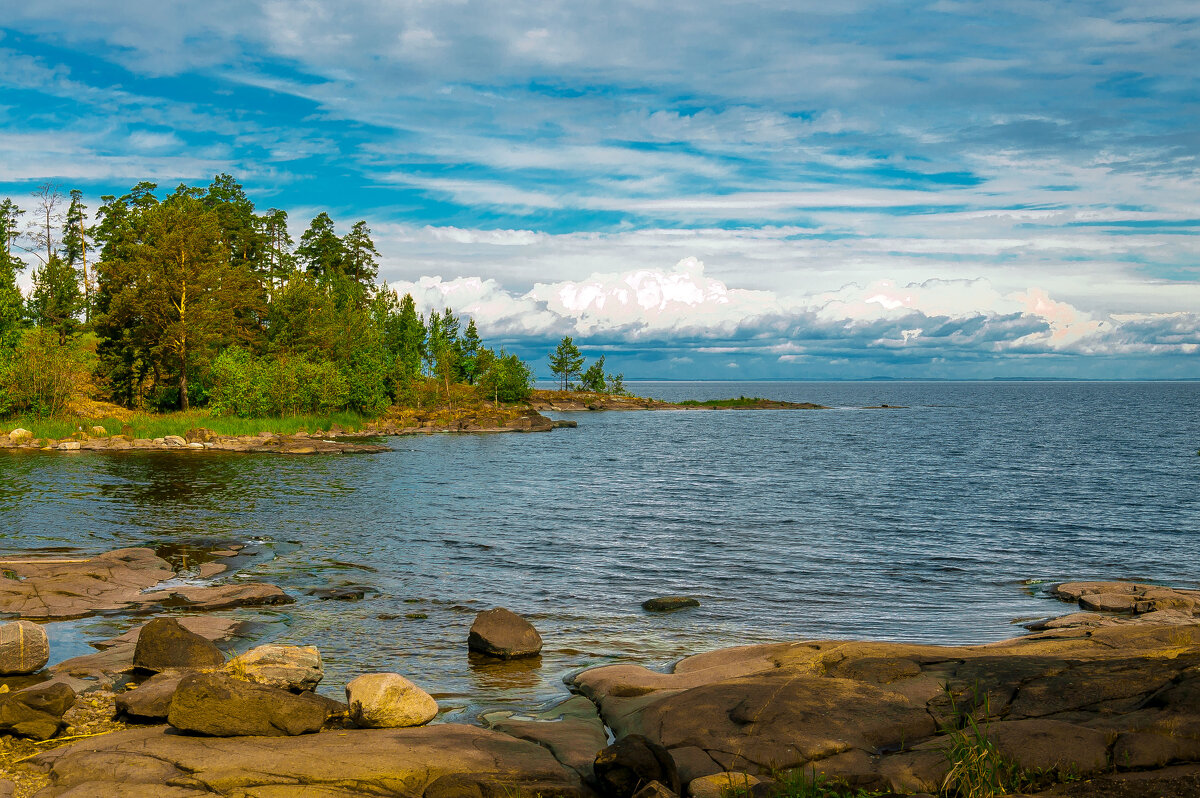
977	768
158	425
741	401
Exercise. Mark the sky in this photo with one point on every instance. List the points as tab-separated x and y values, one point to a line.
711	190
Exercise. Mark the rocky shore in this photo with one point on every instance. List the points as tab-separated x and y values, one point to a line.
333	441
571	401
1104	701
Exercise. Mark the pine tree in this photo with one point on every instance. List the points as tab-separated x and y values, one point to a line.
566	361
75	248
56	301
11	306
361	262
320	250
469	348
593	378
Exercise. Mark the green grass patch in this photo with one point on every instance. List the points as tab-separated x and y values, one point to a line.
741	401
158	425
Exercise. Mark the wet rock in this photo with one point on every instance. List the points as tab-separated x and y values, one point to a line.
668	603
150	702
165	644
35	712
721	785
504	634
388	701
631	763
220	706
342	593
219	597
72	587
572	730
24	648
443	761
296	668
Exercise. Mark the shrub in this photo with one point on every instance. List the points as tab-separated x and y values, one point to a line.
42	374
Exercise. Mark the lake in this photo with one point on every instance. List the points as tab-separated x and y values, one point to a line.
940	522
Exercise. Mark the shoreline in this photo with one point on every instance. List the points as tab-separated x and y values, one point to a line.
488	419
1107	687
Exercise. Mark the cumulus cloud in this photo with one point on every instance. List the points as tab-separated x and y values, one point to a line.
682	307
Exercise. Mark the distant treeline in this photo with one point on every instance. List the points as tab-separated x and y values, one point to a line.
195	299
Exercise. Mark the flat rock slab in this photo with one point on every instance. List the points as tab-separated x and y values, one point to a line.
443	761
120	580
1128	597
1079	701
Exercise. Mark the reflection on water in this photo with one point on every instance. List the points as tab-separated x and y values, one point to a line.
918	524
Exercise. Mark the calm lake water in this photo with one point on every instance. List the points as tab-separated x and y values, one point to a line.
933	523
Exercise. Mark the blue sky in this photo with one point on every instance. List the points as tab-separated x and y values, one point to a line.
702	189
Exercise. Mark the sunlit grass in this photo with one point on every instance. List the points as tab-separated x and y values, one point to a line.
158	425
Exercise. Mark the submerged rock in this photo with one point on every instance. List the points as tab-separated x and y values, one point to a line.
669	603
164	644
24	648
388	701
504	634
218	705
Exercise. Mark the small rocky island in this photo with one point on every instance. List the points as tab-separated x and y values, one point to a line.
1103	701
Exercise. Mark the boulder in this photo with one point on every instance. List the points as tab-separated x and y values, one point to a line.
24	648
69	446
35	712
631	763
151	700
388	701
173	441
164	644
504	634
296	668
200	435
20	435
98	432
668	603
217	705
722	785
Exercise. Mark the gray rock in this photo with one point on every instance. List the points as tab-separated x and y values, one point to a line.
504	634
387	701
220	706
668	603
296	668
24	648
164	644
151	700
35	712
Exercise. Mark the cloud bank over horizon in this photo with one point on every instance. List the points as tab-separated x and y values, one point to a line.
935	189
680	315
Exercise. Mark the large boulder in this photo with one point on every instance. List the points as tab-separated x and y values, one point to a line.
220	706
164	644
296	668
388	700
35	712
504	634
631	763
24	648
20	435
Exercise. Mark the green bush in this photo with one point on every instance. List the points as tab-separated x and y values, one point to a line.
42	374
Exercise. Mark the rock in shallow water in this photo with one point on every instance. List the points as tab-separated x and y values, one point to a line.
504	634
24	648
668	603
220	706
388	701
164	644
